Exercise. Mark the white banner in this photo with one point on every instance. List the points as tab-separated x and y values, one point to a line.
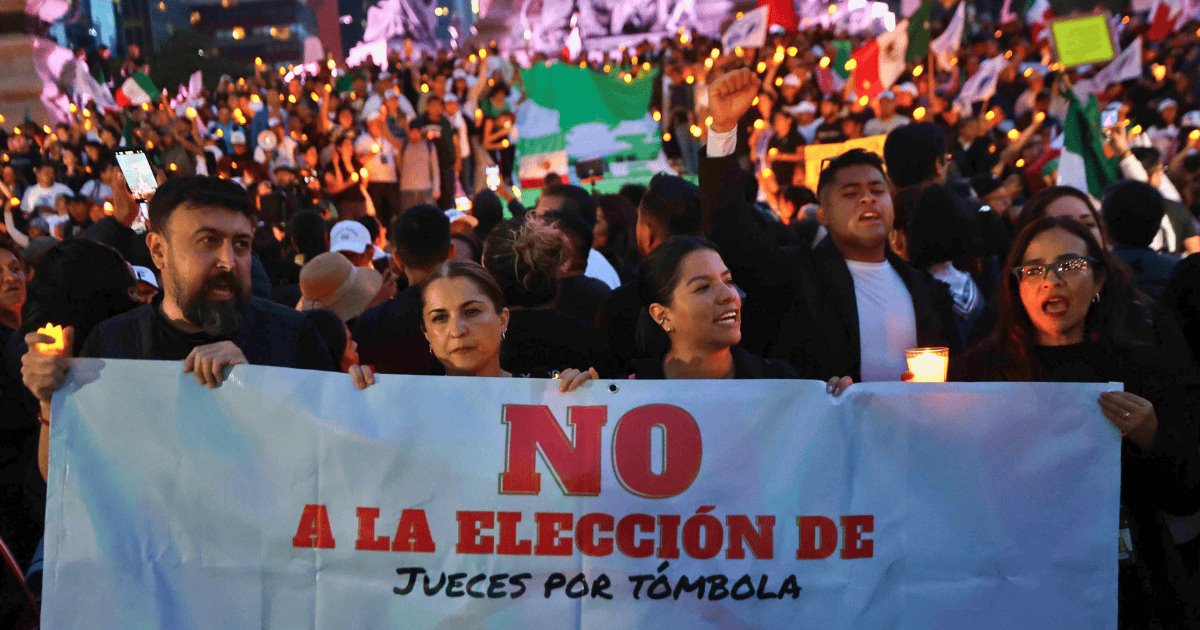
287	499
748	32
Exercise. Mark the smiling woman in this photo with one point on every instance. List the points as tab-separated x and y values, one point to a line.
691	323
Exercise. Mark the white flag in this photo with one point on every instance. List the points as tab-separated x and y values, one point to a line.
748	32
981	85
195	84
574	43
946	46
893	47
1123	67
88	89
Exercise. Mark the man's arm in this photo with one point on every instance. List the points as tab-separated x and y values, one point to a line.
756	259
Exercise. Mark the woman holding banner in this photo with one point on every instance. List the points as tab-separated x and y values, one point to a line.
691	322
1068	313
465	320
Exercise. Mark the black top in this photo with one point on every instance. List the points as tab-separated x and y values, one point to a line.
803	299
582	297
270	334
1151	270
1183	298
389	337
617	322
543	340
745	366
828	132
125	240
1165	478
785	144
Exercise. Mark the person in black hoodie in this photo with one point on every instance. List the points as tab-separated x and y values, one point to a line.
849	307
1067	312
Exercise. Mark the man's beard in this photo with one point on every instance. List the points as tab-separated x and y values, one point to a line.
218	318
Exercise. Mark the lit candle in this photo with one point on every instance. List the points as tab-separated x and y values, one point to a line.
55	332
928	365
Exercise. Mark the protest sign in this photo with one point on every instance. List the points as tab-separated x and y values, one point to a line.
288	499
1084	40
816	154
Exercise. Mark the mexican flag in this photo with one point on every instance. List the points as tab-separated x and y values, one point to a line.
1165	16
136	90
880	62
1083	164
918	33
1037	14
572	113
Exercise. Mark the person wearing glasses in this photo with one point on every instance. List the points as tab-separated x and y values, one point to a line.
1067	312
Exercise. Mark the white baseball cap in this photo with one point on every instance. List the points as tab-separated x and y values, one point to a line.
791	80
144	275
349	236
1191	119
908	87
806	107
237	137
1165	103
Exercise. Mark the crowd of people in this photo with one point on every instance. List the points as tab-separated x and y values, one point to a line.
317	222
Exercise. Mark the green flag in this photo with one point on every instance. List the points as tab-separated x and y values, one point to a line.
918	33
127	130
842	54
574	113
1083	164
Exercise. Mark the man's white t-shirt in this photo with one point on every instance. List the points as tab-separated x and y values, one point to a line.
38	195
887	323
381	167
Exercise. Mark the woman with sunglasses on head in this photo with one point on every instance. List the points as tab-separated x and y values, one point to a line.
691	323
464	317
1067	313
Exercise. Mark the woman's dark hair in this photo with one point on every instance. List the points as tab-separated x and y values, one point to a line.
78	283
1115	321
332	330
483	280
621	217
938	228
487	208
1036	207
658	277
307	230
525	259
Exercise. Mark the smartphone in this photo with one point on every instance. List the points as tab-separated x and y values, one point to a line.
138	174
1109	118
492	175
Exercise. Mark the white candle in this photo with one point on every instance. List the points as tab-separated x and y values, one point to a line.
928	365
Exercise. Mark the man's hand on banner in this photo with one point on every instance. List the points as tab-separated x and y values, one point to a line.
43	372
208	362
363	376
838	384
569	380
731	96
1133	415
